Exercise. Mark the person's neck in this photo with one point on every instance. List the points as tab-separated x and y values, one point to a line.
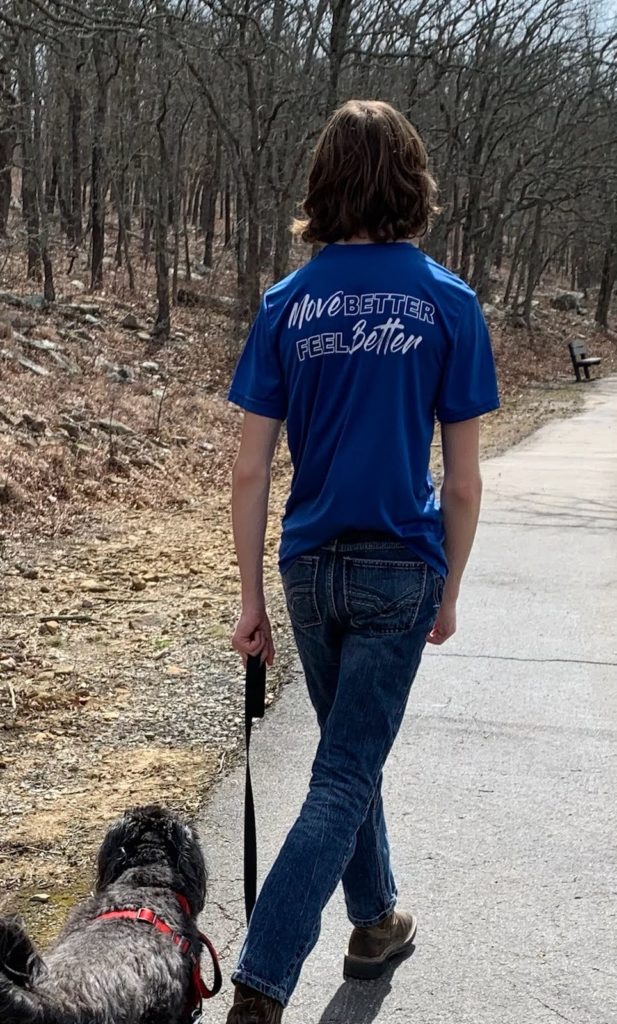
363	239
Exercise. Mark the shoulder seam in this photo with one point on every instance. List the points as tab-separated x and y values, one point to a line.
465	298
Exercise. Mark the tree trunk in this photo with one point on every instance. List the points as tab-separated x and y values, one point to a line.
121	193
341	13
123	253
203	206
499	247
455	255
609	273
228	231
64	199
49	289
436	244
136	201
52	185
194	202
29	198
514	261
534	266
30	213
179	206
120	241
485	244
75	223
268	216
253	286
282	238
241	246
149	201
147	237
187	248
8	138
573	277
163	316
471	222
97	197
266	238
161	225
5	184
211	186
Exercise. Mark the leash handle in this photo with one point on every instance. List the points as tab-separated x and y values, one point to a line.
254	707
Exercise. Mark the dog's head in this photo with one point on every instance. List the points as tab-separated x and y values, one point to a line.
153	838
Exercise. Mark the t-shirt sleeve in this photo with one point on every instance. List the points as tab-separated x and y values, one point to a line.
258	384
469	383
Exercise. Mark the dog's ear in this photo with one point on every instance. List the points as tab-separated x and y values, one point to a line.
112	858
18	957
190	864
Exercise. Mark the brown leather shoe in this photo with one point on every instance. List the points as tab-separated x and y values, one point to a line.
251	1007
371	949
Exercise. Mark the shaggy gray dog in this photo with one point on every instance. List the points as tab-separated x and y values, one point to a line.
117	970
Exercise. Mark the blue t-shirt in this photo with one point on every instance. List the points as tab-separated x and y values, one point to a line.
359	350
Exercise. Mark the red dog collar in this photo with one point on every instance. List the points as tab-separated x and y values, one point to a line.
200	990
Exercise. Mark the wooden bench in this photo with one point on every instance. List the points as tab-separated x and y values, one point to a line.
580	359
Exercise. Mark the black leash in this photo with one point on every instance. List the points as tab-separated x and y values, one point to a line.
254	707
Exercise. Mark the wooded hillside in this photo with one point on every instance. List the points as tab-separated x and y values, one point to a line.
170	136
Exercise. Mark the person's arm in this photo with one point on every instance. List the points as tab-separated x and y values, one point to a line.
461	493
250	493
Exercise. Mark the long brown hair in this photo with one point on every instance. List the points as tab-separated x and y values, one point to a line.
369	176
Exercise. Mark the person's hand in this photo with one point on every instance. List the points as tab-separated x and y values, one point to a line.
253	635
445	624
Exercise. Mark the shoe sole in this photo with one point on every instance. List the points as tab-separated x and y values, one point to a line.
364	969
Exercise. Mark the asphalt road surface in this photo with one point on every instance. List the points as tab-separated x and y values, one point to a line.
501	792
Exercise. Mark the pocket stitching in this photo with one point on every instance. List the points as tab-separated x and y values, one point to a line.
384	563
304	589
374	563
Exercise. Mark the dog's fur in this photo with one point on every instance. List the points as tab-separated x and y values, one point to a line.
115	971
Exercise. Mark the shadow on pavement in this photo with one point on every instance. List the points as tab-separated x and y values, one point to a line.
360	1002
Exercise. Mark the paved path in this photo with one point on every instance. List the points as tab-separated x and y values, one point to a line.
502	789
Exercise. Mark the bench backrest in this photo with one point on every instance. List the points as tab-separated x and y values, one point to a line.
577	348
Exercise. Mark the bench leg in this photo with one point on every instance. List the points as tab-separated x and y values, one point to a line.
577	371
587	373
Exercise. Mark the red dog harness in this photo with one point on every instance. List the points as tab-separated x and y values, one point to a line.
200	990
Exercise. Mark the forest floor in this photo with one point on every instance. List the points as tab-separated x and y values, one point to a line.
119	583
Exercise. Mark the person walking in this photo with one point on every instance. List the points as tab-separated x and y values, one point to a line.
359	352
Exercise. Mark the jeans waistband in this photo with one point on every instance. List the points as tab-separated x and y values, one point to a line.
367	539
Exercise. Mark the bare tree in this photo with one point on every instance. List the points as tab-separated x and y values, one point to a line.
8	140
196	118
106	66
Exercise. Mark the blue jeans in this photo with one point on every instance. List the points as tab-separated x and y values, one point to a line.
361	611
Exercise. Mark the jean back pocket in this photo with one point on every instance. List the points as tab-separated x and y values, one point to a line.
300	585
383	596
